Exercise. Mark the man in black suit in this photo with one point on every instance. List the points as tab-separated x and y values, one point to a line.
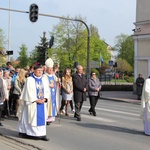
79	89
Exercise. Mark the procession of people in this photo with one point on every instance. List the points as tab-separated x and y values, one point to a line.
33	96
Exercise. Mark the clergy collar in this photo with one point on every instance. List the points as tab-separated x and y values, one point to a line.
36	76
50	75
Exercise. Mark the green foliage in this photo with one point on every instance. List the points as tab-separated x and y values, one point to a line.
125	47
71	44
124	66
2	38
2	42
129	79
118	81
96	71
41	52
23	57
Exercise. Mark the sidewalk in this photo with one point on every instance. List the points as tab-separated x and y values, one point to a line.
12	142
120	96
8	143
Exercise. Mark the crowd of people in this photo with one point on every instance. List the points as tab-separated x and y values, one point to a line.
32	95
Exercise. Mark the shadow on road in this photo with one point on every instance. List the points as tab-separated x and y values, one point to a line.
8	132
110	128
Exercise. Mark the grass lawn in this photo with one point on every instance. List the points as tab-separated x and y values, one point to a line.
119	80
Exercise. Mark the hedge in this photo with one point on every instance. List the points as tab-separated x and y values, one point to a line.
117	88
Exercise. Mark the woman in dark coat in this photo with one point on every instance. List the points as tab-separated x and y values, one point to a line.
94	88
139	84
79	89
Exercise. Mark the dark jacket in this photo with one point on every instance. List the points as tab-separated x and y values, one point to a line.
139	83
79	83
2	93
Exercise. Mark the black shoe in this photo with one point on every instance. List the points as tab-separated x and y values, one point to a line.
44	138
1	124
78	119
48	123
90	112
75	116
94	113
22	135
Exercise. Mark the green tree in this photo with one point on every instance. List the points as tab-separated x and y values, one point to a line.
124	67
2	43
125	47
23	57
41	52
71	43
42	49
33	57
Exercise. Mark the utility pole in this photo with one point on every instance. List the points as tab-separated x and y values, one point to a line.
9	25
78	20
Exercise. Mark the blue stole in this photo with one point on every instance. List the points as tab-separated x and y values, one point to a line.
40	95
53	95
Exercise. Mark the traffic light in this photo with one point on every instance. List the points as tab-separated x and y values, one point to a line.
115	65
51	42
33	12
9	52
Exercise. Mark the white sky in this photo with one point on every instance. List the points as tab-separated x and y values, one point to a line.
111	17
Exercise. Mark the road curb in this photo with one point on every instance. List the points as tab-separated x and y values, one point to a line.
12	140
122	100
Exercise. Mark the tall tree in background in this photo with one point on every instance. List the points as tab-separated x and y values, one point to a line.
23	57
98	46
124	66
125	47
42	49
41	52
2	43
71	43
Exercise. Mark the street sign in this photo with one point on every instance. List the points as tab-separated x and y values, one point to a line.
94	64
9	52
111	63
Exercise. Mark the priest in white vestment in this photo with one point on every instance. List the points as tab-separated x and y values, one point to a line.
32	112
53	103
145	106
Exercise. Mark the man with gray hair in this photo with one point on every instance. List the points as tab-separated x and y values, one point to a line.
2	96
7	86
79	89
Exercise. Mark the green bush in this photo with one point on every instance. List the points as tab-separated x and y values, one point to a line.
96	71
130	80
126	77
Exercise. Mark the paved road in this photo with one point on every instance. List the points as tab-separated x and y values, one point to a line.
116	126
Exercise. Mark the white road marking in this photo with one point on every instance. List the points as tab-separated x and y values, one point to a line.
98	118
114	111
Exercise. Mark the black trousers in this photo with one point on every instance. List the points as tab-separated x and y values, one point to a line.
1	109
78	107
93	102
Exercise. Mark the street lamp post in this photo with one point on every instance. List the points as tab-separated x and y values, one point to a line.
53	16
9	30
